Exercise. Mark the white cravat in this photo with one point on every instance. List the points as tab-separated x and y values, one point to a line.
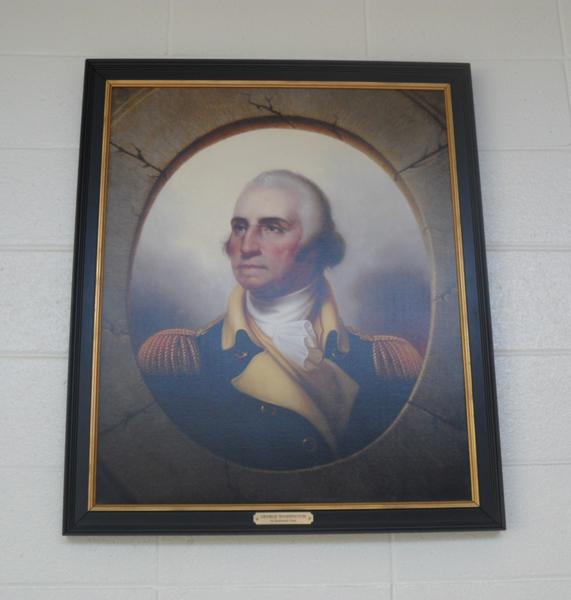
285	321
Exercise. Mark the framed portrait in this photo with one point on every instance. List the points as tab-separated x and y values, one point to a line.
280	317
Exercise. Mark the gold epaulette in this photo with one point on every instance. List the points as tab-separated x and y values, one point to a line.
170	352
393	357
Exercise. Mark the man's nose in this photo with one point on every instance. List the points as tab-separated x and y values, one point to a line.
250	242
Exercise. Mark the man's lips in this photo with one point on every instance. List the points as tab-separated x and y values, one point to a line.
250	267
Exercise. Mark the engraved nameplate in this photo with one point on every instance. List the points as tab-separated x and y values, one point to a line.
283	518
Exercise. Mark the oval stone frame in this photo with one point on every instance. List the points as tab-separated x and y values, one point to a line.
428	459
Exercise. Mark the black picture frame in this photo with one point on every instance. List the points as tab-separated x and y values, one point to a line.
83	513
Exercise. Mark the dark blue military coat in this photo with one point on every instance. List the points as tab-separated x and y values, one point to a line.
191	376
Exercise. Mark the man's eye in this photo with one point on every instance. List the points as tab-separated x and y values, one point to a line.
238	228
274	228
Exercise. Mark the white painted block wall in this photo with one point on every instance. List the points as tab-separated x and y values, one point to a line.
520	51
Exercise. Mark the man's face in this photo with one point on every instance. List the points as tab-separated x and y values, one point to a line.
267	235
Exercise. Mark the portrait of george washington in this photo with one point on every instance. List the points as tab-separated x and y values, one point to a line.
279	381
280	305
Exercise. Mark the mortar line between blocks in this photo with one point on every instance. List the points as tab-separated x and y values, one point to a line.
528	247
79	586
80	56
471	59
141	586
56	147
541	578
547	352
564	149
564	48
58	467
36	248
568	87
366	26
543	463
392	565
561	28
157	550
560	149
160	544
33	355
270	586
475	59
169	28
39	55
312	587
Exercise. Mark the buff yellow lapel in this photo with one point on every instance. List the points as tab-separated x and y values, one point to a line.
324	397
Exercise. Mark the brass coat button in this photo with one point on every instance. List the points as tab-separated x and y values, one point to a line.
266	409
309	444
241	355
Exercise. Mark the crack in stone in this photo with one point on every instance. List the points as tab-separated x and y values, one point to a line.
440	418
269	107
423	159
429	108
444	134
137	212
428	229
137	155
113	328
333	127
128	417
445	296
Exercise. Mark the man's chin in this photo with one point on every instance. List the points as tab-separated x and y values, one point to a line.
260	289
251	283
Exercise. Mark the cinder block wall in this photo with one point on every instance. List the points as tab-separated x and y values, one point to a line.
520	53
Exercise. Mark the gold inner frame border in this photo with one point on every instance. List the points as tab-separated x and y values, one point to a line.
464	332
